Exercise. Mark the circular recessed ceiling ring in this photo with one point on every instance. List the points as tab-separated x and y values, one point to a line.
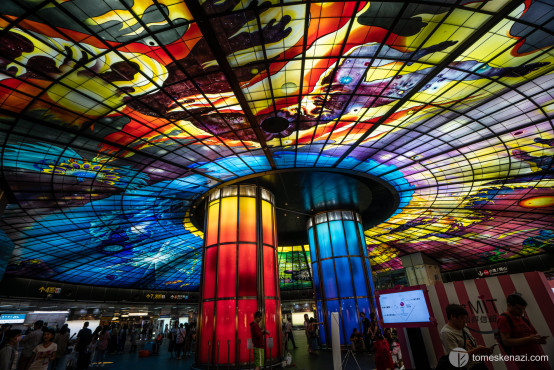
302	192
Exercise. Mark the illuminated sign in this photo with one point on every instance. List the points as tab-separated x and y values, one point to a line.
12	318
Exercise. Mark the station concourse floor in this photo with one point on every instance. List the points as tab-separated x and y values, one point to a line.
301	359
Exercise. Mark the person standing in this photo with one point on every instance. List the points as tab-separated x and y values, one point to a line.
257	334
519	336
29	342
288	333
8	349
61	339
84	337
454	334
45	352
306	331
102	345
366	324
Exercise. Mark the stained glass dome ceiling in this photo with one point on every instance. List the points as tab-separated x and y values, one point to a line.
116	116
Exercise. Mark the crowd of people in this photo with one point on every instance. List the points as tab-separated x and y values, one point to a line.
44	348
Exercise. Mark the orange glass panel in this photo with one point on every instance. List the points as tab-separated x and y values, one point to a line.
247	221
228	223
225	331
267	222
213	222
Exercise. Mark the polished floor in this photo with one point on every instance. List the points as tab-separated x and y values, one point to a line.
301	359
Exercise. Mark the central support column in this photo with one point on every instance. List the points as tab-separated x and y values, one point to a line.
239	274
342	276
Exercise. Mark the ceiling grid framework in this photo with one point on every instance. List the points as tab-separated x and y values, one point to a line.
117	117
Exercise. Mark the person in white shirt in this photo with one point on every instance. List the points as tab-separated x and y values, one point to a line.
45	352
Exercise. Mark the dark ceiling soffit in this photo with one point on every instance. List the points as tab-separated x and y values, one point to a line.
208	33
464	46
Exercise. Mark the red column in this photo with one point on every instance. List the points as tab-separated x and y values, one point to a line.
239	274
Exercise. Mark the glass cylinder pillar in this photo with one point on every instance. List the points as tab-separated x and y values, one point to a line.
341	271
239	275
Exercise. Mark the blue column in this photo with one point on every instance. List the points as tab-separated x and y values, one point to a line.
341	271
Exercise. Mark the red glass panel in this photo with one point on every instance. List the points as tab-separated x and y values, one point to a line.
247	219
228	220
210	272
247	308
247	270
267	222
207	330
225	331
227	271
213	222
272	327
269	272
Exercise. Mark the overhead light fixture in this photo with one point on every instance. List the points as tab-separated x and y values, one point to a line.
50	312
138	313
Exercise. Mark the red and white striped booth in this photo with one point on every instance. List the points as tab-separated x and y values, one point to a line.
485	300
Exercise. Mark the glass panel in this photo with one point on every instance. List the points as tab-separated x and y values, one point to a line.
213	223
269	272
227	271
344	278
349	318
337	238
351	238
267	222
247	270
316	281
333	306
225	331
210	272
324	240
329	281
358	276
247	219
206	340
320	319
272	325
247	308
228	222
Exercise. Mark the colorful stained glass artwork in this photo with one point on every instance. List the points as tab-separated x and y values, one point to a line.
117	116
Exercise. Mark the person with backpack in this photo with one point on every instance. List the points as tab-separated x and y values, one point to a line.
517	336
454	334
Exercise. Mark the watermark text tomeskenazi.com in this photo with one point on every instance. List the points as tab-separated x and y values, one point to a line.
501	357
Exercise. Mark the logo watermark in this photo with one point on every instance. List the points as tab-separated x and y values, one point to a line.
458	357
516	358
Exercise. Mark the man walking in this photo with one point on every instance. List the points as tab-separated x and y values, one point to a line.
257	335
84	337
288	333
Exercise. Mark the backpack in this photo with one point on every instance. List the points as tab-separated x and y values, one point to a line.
180	337
498	337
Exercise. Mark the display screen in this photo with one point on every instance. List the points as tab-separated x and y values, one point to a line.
407	307
12	318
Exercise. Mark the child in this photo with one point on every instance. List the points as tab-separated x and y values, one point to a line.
44	352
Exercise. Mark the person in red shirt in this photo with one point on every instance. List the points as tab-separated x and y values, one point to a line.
383	357
519	335
257	335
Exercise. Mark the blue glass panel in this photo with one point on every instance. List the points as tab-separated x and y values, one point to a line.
324	240
333	306
349	317
312	243
358	276
320	319
351	238
337	238
343	276
362	237
316	281
363	306
328	276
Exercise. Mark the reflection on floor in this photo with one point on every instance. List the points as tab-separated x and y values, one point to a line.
301	359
